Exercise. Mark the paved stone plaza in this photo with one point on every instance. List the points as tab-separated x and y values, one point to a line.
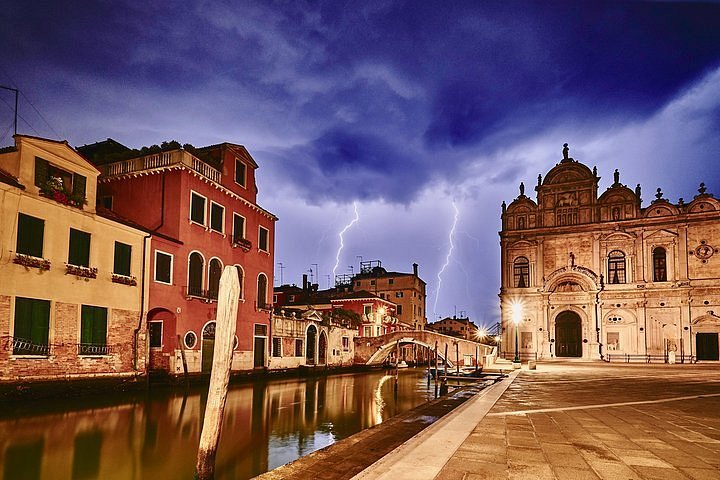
590	420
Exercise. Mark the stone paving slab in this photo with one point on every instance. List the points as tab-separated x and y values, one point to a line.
589	420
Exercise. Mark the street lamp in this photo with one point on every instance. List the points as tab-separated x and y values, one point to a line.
516	316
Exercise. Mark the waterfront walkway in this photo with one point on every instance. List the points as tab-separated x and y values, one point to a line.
569	420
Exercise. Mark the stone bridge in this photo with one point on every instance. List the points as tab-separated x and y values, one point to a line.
374	350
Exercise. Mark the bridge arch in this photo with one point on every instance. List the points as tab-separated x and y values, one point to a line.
384	351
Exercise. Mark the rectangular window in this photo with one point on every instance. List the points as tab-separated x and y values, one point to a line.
238	227
51	178
240	172
382	295
123	253
197	208
391	281
155	333
30	235
217	217
163	267
367	309
357	284
31	327
346	344
277	347
263	239
372	282
367	331
399	294
260	330
93	331
399	309
298	347
79	252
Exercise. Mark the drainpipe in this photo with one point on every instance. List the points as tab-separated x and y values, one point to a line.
142	307
597	320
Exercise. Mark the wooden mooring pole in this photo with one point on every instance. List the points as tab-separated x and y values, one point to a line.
219	377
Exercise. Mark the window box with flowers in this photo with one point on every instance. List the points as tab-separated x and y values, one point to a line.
85	272
54	188
30	261
125	280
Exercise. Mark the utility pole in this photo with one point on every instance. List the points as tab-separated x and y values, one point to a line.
16	104
317	272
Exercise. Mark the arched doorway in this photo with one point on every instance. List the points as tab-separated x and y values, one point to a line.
568	335
310	342
208	346
322	349
161	325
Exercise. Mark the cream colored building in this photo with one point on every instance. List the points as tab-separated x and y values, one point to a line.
598	276
70	278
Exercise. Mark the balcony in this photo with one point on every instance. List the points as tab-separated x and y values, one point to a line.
243	243
205	295
157	161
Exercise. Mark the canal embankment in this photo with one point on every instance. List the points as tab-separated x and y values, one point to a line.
386	445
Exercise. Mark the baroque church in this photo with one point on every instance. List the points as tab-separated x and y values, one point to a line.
603	278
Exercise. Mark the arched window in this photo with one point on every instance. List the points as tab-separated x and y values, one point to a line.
521	273
616	267
196	265
241	276
262	291
214	278
659	265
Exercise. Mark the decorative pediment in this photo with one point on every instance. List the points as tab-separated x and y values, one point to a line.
660	235
568	275
312	315
703	205
616	237
661	209
709	319
522	244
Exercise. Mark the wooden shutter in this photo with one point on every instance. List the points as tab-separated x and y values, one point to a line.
79	252
93	325
41	171
121	265
79	182
32	320
30	235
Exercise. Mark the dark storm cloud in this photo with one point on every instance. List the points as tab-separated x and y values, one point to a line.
378	96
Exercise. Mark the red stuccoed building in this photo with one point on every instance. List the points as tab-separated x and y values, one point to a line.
200	205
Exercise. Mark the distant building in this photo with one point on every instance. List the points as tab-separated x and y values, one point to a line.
200	205
406	290
601	277
71	285
456	327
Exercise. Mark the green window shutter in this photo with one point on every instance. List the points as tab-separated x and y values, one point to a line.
93	326
32	322
30	235
79	182
123	254
41	171
79	251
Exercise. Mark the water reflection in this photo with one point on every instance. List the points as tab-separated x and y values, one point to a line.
266	424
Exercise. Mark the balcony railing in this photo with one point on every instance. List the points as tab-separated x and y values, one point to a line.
93	349
197	292
160	160
21	346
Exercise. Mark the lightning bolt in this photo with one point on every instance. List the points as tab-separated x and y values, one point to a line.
342	241
447	258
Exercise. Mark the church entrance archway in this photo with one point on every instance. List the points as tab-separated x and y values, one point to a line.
568	335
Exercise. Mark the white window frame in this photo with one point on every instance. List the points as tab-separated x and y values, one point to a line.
205	209
245	168
187	274
172	266
267	249
222	222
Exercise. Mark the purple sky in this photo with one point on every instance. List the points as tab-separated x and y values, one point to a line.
401	107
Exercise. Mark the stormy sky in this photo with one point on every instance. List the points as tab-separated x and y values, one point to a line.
404	110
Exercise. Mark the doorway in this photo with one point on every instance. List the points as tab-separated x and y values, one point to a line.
322	349
707	346
568	335
310	341
208	347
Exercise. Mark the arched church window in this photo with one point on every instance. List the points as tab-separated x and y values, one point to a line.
659	265
616	267
521	273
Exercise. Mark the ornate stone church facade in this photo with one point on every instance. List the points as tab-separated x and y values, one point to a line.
601	277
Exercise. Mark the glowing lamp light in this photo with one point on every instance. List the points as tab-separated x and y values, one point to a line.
516	312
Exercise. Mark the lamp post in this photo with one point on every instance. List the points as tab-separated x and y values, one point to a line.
516	315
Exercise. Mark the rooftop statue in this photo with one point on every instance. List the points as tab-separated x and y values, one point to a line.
566	152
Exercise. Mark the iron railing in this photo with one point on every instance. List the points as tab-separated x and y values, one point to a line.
193	291
628	358
93	349
22	346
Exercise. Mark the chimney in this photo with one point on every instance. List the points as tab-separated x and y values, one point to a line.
415	269
305	282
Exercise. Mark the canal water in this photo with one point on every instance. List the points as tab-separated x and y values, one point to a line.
155	435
